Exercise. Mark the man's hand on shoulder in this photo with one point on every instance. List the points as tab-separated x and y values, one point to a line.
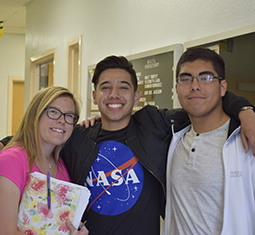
90	121
247	119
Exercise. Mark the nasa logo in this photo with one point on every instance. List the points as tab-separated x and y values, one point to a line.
115	179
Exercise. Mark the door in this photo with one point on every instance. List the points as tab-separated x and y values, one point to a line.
15	103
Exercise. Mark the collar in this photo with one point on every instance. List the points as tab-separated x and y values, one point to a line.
233	125
179	125
131	130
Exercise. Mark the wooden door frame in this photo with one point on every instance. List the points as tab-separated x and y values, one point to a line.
11	80
44	57
71	45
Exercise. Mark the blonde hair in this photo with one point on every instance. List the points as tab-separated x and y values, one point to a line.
28	135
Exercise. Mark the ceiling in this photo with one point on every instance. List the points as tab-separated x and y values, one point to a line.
13	14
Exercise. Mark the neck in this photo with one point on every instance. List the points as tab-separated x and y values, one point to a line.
47	155
47	150
47	164
114	126
48	158
208	123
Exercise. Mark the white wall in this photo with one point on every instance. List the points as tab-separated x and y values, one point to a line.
12	63
125	27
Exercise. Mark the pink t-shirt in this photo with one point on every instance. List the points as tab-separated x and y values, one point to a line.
14	166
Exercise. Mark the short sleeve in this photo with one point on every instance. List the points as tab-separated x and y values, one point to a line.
14	166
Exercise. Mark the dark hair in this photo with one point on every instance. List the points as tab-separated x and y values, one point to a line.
199	53
114	62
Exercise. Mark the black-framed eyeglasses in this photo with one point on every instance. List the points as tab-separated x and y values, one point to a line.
204	78
55	114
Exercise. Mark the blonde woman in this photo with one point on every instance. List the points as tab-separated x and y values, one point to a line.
46	126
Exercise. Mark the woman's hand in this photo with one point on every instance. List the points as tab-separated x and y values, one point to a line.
74	231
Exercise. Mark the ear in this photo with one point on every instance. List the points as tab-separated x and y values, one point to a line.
223	86
94	97
176	86
137	97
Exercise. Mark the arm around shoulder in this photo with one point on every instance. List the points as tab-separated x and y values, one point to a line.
232	104
162	117
247	119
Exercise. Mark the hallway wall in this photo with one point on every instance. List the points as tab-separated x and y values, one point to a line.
125	27
119	27
12	61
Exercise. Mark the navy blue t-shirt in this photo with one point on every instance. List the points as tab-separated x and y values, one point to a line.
124	195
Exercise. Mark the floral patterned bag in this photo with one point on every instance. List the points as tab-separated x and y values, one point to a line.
68	200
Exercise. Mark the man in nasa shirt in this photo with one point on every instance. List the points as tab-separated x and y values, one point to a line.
122	159
125	176
116	177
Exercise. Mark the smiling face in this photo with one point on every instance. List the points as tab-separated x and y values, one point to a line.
115	97
56	132
201	99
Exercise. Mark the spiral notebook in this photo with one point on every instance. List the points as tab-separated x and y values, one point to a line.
68	200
